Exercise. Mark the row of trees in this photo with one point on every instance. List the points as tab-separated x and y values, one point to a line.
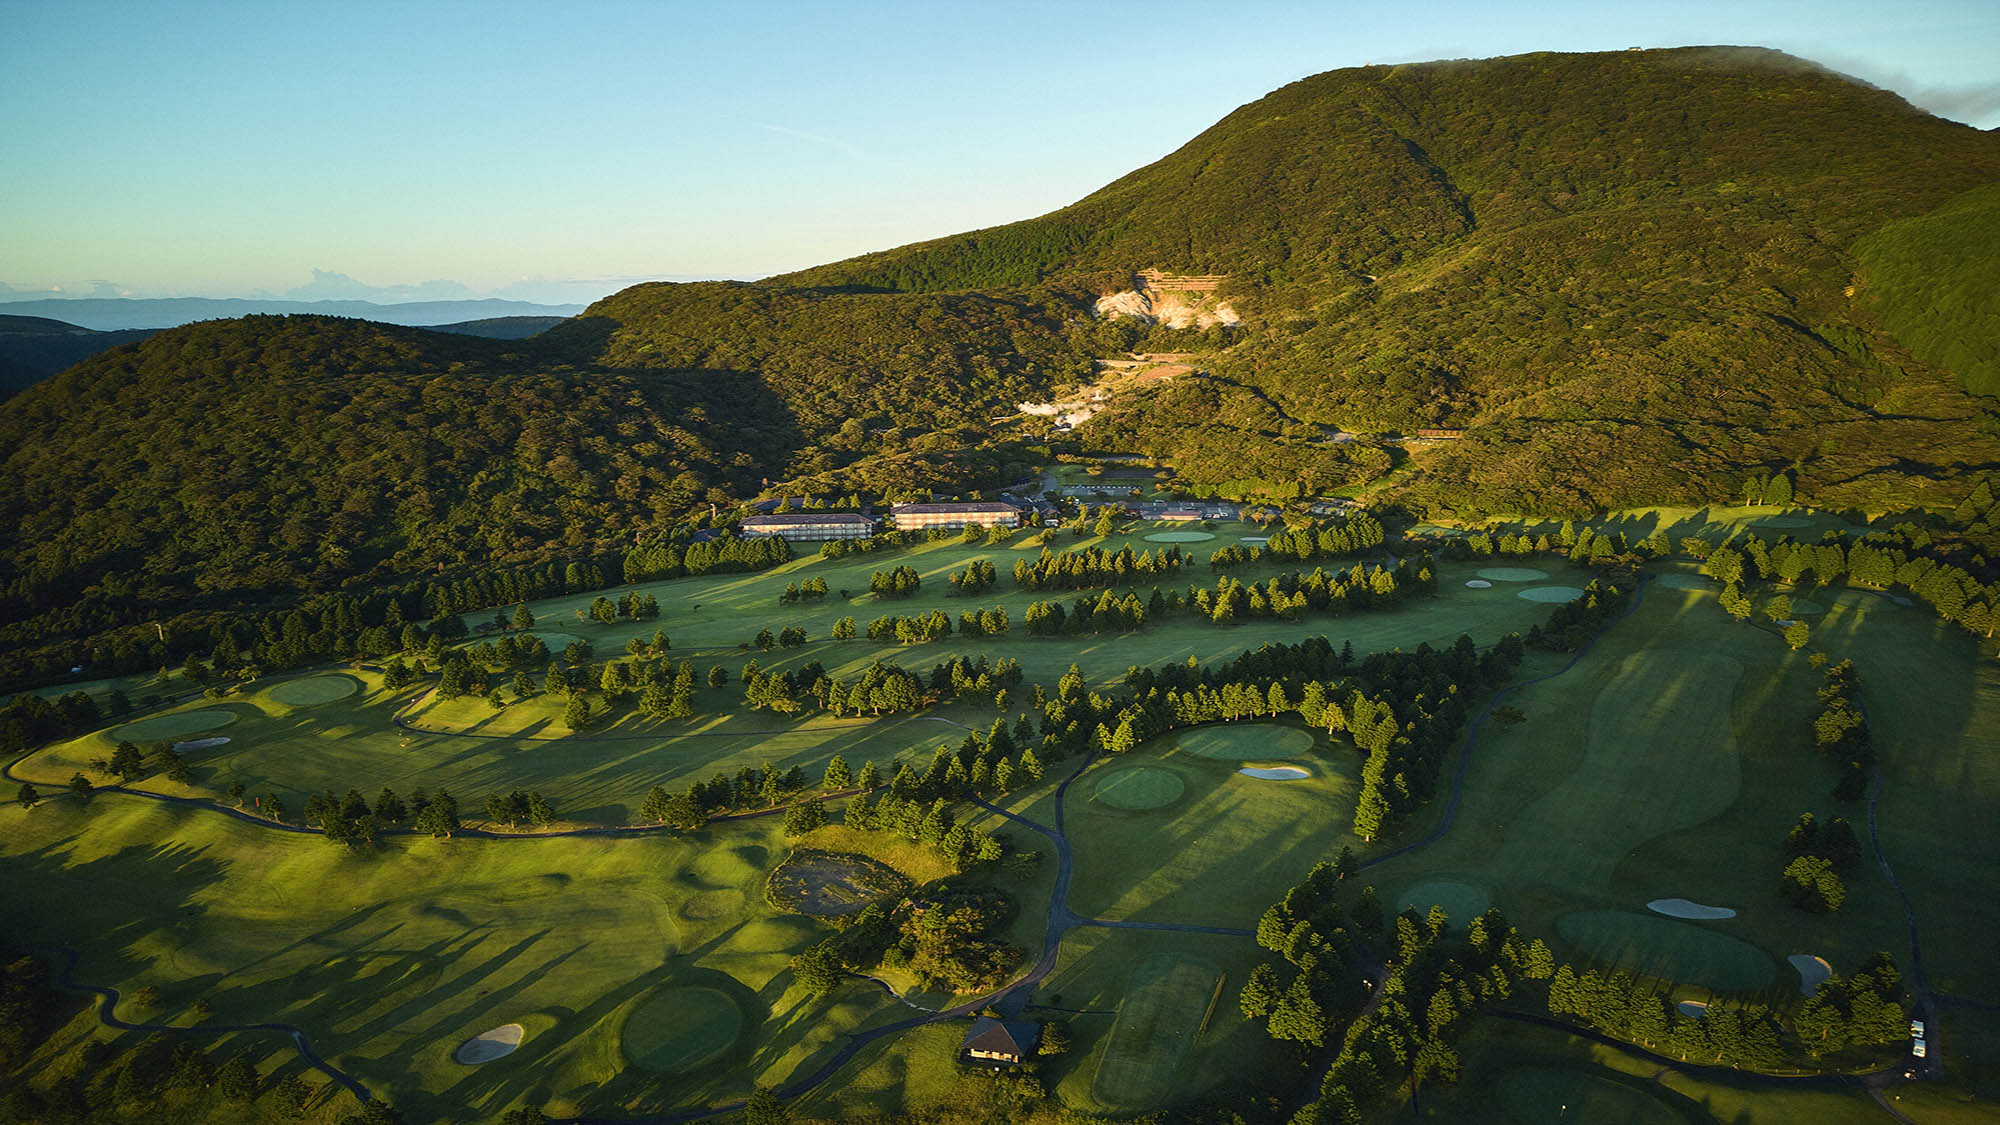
1840	730
814	589
1313	539
1094	566
1744	1036
632	606
898	582
978	576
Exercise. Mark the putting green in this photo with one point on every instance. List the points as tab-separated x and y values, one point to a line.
1667	949
175	725
1681	580
1139	787
1180	537
1462	902
1803	608
1165	999
680	1028
1551	594
1536	1094
314	690
1512	574
1241	742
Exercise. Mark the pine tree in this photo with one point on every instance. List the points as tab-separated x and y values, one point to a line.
837	774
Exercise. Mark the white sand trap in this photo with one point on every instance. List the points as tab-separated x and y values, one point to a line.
489	1045
1696	1008
203	743
1682	908
1254	540
1478	584
1900	599
1276	773
1812	970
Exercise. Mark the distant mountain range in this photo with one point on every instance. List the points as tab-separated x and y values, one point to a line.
112	314
32	348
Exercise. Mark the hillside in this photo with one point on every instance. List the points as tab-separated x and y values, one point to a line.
33	348
1629	277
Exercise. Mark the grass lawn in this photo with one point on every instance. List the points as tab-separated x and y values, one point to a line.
1138	1040
391	962
1514	1072
1221	853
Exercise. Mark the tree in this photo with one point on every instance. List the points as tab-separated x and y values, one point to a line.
576	714
1260	993
837	774
764	1108
540	813
765	640
804	817
1055	1039
718	676
524	618
439	817
1798	635
843	629
80	786
818	969
127	762
236	1080
292	1095
27	796
525	1115
1810	883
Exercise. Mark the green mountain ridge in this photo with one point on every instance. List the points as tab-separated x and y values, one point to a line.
1630	277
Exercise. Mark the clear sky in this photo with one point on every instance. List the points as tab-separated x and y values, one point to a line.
232	148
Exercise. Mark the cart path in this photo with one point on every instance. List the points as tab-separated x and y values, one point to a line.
107	1002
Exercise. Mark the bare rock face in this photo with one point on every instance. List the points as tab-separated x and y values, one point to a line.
1176	302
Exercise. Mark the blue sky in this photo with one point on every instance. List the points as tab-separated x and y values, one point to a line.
231	149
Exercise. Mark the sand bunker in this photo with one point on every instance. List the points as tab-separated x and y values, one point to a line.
203	743
1812	970
1478	584
1551	594
1682	908
1512	574
1696	1008
489	1045
171	726
1180	537
1255	540
1276	773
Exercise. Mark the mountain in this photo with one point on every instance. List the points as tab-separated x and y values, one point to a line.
33	348
110	314
501	327
1620	278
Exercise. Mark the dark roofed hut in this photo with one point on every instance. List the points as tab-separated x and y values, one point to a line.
1000	1042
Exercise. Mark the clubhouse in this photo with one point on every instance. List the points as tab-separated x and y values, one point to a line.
991	513
809	526
999	1042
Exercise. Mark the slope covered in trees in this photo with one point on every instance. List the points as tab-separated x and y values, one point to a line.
1630	277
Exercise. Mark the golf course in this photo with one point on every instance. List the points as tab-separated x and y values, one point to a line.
1623	801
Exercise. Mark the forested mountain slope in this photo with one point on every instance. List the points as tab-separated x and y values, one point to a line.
1630	277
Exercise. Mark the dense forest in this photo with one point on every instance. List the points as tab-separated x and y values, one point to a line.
1628	278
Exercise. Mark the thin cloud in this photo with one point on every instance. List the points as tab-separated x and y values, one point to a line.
1977	104
815	138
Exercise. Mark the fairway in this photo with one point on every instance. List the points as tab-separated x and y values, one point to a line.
1180	537
1240	742
1550	595
176	724
680	1028
1659	755
1165	999
1536	1094
1667	949
1683	580
1139	788
314	690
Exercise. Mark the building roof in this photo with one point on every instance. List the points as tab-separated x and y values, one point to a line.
1002	1037
806	519
977	507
